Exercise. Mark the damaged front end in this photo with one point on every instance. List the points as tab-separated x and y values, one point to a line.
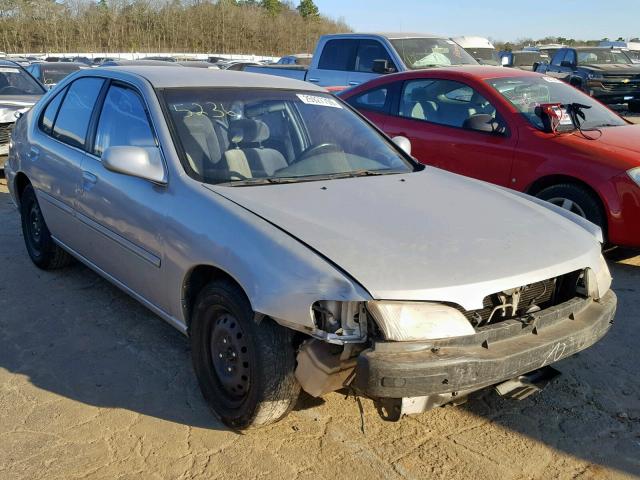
410	357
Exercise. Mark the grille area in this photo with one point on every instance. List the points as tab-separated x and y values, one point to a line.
537	296
5	132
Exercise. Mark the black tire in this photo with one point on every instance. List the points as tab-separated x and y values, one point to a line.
245	369
586	204
43	251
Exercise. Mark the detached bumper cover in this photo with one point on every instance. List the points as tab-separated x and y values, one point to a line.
496	353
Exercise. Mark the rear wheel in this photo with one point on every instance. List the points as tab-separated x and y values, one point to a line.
43	251
245	369
576	199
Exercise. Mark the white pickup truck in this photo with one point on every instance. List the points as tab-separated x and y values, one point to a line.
349	59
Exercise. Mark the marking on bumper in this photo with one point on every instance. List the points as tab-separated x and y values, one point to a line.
555	353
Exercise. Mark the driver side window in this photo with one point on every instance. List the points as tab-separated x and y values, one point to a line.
123	121
445	102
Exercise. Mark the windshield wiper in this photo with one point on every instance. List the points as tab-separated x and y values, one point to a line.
308	178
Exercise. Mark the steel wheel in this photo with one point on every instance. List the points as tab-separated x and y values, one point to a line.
568	204
230	358
34	225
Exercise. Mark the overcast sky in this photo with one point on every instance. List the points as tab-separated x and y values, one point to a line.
498	19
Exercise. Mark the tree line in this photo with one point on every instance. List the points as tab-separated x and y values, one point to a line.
267	27
570	42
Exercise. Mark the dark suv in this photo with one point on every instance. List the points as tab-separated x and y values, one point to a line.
604	73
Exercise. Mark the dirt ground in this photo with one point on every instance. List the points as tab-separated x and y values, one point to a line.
92	385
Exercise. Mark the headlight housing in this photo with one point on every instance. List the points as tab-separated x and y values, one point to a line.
409	321
634	173
595	76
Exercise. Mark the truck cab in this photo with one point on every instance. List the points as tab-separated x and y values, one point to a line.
351	59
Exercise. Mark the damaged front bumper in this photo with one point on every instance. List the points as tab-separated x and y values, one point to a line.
444	369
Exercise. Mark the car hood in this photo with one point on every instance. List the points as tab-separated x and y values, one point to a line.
612	68
617	148
12	104
430	235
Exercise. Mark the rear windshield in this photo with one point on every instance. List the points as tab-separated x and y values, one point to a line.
419	53
526	59
54	74
15	81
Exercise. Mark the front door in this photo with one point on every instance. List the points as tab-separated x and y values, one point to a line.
123	214
443	120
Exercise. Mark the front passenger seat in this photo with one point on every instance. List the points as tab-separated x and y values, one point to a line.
258	159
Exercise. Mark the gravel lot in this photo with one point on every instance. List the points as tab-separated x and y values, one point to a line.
92	385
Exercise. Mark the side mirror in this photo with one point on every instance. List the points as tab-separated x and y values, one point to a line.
535	66
567	64
404	143
382	67
145	163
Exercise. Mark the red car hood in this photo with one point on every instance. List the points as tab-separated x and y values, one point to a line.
617	147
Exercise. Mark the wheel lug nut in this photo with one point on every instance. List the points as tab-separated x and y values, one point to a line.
219	355
229	369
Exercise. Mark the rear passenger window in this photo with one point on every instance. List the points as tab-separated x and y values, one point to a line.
372	100
49	115
73	119
123	121
338	55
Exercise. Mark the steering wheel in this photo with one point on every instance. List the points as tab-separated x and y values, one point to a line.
314	150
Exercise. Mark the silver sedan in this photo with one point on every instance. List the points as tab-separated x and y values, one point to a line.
297	246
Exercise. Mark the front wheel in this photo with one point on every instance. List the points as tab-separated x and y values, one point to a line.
576	199
245	369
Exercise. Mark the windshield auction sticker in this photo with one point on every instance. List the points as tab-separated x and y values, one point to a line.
319	101
551	80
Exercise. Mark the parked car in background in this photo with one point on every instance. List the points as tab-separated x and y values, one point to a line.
523	59
238	66
18	93
297	246
297	59
159	58
142	62
350	59
198	64
50	73
100	60
607	74
549	49
479	48
22	61
486	123
85	60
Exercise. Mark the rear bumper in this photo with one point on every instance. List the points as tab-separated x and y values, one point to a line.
497	353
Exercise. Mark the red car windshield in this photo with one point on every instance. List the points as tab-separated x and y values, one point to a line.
527	93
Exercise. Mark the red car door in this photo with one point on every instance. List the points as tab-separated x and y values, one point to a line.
449	126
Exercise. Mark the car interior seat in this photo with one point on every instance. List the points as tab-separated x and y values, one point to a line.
420	106
200	141
252	160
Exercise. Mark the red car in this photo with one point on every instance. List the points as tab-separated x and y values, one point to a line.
486	123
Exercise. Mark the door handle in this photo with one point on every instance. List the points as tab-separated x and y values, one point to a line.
314	80
353	84
88	180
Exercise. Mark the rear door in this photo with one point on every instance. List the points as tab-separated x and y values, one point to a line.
123	216
438	117
56	155
336	61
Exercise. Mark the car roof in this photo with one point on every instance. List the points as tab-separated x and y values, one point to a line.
172	77
480	72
